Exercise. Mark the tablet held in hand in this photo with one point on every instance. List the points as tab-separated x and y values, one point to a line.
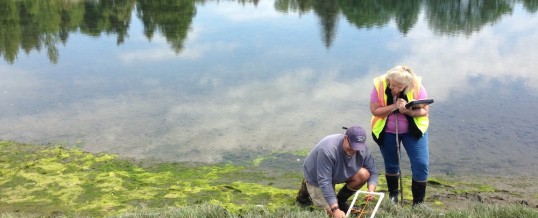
419	103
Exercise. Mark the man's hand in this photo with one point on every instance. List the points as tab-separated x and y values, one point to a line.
339	214
369	197
335	211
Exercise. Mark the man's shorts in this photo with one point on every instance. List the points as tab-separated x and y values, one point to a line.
316	195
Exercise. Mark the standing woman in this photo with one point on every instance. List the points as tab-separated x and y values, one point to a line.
390	117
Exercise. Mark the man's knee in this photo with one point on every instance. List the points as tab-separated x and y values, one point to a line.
364	173
360	178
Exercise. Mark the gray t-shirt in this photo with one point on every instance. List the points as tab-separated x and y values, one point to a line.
327	164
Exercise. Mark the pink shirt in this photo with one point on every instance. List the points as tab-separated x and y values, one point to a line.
403	126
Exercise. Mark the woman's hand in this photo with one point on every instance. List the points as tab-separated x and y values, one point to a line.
400	104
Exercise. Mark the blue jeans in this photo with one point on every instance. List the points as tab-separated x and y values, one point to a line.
417	151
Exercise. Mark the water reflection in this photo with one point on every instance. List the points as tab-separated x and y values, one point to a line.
37	25
170	18
465	17
213	80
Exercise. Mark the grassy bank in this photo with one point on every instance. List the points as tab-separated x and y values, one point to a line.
56	181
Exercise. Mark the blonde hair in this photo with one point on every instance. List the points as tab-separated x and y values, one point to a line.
404	75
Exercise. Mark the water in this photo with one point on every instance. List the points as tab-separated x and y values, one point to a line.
198	80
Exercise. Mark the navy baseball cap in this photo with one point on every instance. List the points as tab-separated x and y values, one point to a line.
357	137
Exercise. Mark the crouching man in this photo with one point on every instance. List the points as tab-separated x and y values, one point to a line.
338	158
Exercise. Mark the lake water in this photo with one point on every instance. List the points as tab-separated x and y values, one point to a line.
197	80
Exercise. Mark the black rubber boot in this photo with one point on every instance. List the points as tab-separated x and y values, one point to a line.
342	197
392	185
303	198
419	191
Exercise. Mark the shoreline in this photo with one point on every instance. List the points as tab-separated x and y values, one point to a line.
99	184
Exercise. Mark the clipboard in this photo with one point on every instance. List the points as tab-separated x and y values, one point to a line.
418	103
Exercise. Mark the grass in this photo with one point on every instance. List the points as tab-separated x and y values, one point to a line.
56	181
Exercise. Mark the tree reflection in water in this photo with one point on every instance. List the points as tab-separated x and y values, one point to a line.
37	25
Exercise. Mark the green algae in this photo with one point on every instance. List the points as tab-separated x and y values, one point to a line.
460	186
70	180
53	180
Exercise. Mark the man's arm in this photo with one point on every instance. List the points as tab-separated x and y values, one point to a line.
325	169
369	164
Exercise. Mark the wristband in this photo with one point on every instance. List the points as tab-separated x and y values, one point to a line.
334	209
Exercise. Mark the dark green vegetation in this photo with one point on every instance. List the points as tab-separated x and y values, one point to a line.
47	181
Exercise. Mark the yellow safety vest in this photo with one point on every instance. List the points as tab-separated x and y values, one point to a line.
378	123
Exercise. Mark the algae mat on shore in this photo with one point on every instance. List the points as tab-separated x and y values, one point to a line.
55	180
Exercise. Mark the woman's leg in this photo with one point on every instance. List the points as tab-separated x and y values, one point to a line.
389	151
418	152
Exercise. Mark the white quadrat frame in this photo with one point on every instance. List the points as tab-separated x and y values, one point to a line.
381	196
